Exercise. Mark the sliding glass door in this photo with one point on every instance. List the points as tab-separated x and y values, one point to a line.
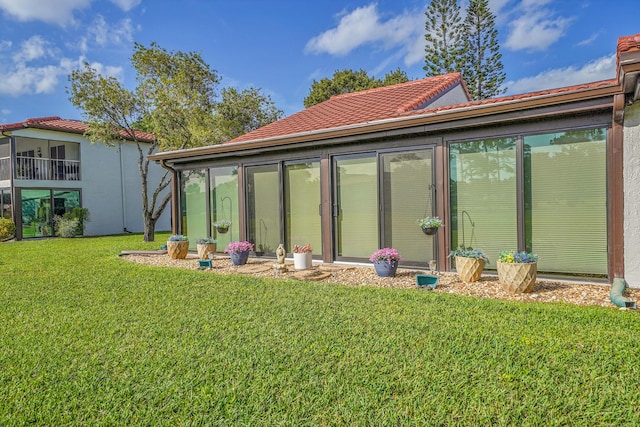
302	205
407	195
355	209
263	207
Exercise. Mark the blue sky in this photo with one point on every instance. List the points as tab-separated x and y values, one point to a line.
281	46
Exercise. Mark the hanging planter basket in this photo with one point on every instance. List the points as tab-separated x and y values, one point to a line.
222	230
430	231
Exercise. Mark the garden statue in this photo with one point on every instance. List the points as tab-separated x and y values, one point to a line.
280	267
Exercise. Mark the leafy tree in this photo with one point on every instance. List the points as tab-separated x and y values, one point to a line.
482	65
347	81
174	100
240	112
444	37
394	77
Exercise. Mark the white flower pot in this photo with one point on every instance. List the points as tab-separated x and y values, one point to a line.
302	261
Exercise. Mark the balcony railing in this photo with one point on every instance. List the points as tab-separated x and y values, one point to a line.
45	169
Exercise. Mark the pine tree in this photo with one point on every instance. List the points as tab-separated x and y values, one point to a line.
444	37
481	60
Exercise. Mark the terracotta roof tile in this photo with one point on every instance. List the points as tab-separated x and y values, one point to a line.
63	125
518	97
359	107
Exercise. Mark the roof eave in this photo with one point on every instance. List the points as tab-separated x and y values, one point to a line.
397	122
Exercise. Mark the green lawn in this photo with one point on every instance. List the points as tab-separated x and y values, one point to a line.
87	338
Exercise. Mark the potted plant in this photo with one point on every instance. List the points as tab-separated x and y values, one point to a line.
517	271
239	252
302	256
205	246
222	226
430	224
178	246
469	263
385	261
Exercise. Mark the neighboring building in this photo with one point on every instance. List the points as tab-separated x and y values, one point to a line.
556	172
48	167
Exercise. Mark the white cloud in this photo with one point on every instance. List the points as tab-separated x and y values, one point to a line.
599	69
126	5
535	28
117	34
365	26
58	12
31	49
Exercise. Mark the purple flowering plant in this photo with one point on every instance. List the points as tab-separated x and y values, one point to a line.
389	255
237	247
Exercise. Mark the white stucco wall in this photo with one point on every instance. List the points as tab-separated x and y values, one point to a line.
631	170
110	184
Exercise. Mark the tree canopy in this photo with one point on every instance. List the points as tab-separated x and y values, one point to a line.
240	112
470	46
347	81
174	100
444	38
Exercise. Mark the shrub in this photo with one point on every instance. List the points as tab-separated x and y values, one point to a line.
178	238
7	228
82	215
66	227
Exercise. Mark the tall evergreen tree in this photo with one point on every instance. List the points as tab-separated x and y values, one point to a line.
481	60
444	37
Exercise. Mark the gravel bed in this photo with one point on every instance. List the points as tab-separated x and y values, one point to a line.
572	292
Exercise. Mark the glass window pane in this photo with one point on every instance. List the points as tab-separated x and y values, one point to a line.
565	176
302	186
224	204
263	199
36	213
357	197
407	196
6	204
194	211
483	196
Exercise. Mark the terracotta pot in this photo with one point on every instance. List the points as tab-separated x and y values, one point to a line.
204	249
469	269
517	277
177	250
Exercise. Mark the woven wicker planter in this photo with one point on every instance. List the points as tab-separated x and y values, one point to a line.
204	249
469	269
177	250
517	277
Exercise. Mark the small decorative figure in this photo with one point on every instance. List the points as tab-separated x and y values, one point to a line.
280	253
280	267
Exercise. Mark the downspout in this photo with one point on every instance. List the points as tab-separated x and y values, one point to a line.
175	214
615	295
123	191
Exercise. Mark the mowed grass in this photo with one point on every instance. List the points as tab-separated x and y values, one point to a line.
87	338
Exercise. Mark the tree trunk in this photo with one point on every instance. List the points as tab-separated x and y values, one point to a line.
149	228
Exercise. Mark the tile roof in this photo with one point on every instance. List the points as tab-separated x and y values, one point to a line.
63	125
360	107
518	97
